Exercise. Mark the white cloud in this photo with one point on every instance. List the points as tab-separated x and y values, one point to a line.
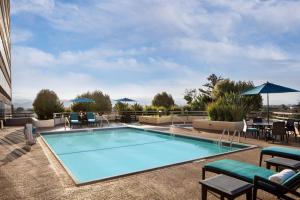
20	35
278	16
67	74
40	7
225	52
29	57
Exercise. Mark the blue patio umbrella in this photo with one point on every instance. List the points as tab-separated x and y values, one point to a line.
83	100
268	88
125	100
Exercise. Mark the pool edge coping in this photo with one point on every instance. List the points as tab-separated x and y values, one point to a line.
77	183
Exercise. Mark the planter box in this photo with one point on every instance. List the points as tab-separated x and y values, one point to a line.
217	125
168	119
43	123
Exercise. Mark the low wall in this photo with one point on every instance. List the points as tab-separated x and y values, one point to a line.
43	123
59	121
21	121
168	119
217	125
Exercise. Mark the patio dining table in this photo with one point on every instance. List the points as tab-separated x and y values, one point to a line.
263	126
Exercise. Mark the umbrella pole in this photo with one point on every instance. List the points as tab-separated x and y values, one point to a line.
268	108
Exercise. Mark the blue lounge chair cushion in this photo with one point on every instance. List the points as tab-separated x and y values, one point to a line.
282	151
90	115
241	170
292	180
74	116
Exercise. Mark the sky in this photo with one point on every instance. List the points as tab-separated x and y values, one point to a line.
137	48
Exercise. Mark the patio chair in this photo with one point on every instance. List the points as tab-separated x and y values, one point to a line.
290	126
278	129
256	175
284	152
257	120
251	130
74	120
91	118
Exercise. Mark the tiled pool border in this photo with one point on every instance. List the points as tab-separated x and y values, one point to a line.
78	183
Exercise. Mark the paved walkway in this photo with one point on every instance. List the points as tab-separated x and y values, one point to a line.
37	175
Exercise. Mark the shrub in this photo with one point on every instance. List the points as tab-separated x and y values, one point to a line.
19	109
120	107
137	107
227	108
226	86
175	108
46	103
150	108
102	102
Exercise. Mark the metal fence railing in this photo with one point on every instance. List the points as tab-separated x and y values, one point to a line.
19	115
59	118
286	115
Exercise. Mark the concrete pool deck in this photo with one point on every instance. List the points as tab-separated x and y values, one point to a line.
37	175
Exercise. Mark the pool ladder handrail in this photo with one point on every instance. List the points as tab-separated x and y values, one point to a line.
221	137
105	119
229	139
234	134
67	122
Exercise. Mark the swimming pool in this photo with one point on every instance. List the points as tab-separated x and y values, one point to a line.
96	154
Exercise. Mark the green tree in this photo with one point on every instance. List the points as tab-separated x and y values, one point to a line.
20	109
212	82
199	99
190	95
102	102
137	107
226	86
163	99
120	107
46	103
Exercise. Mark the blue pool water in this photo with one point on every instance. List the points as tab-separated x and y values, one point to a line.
100	154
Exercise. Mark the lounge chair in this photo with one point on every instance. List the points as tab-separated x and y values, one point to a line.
237	169
284	152
256	175
279	190
290	126
74	120
91	118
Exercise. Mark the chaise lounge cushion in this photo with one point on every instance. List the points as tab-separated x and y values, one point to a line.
241	170
282	151
292	181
